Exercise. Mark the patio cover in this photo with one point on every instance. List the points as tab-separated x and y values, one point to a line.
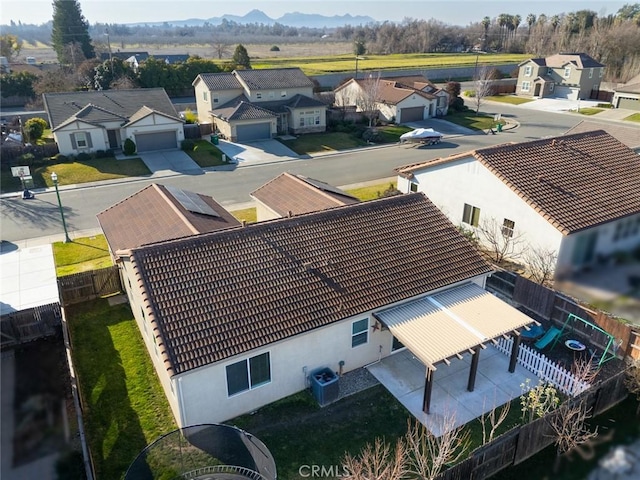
439	326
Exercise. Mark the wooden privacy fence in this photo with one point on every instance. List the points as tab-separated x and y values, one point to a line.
30	324
521	443
84	286
545	369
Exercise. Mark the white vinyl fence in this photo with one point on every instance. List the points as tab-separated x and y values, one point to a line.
544	368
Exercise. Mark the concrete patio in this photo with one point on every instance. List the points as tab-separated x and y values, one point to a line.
404	376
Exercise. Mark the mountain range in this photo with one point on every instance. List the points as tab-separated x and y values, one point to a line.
295	19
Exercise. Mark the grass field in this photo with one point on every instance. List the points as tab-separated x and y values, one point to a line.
81	255
205	154
323	142
589	111
470	120
510	99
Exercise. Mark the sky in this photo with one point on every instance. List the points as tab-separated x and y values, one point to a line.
448	11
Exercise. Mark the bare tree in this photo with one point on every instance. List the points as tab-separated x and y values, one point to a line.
378	462
541	264
632	381
570	429
585	370
502	241
367	99
483	87
428	453
495	420
221	48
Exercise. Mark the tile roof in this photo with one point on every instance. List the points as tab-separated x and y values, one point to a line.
390	91
574	181
123	103
627	134
418	82
581	60
295	194
93	115
153	214
217	295
240	108
629	88
265	79
219	81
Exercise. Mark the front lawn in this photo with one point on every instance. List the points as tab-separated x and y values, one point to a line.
249	215
633	118
205	154
589	111
323	142
125	408
471	120
371	192
391	133
81	255
510	99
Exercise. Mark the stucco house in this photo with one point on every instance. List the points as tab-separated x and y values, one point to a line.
236	319
564	75
398	99
574	195
102	120
248	105
628	95
289	194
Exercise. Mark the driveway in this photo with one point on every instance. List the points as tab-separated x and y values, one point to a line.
170	161
257	153
446	128
558	104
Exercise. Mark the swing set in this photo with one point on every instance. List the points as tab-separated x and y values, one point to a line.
609	352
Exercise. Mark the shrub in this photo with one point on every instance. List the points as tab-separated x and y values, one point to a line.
604	105
83	157
129	147
188	145
60	158
371	135
275	48
100	154
34	128
109	153
27	159
457	105
469	93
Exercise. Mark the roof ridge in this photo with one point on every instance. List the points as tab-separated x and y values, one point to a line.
321	191
174	207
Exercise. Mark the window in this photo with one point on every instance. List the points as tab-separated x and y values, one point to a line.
567	72
552	86
81	140
359	332
259	95
205	96
507	227
601	72
591	73
471	215
248	374
272	95
215	98
310	118
526	86
527	70
413	187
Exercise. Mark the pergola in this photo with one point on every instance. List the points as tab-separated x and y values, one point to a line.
443	326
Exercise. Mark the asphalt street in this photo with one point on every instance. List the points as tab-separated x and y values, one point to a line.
24	219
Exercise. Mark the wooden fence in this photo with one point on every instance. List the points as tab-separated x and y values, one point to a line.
84	286
30	324
523	442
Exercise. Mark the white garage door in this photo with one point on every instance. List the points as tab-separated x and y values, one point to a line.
412	114
256	131
570	93
147	142
629	103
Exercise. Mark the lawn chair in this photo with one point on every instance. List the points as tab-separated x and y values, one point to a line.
552	334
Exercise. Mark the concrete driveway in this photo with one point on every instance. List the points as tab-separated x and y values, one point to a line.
446	128
168	161
558	104
256	153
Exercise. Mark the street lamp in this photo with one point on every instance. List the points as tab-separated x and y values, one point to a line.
54	179
358	57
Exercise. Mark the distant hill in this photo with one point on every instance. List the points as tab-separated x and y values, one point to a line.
295	19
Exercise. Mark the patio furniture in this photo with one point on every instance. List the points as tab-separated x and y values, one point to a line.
552	334
535	332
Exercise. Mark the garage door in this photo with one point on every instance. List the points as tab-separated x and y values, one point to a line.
413	114
147	142
256	131
629	103
566	92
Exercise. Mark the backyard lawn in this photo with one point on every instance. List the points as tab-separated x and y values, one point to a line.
205	154
81	255
323	142
125	408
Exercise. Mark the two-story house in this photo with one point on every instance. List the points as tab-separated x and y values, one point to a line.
246	105
564	75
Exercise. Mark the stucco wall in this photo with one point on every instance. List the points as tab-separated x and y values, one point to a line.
203	106
264	213
154	123
294	120
275	95
63	138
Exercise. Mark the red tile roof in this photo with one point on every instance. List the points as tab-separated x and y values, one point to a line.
153	214
213	296
575	181
295	194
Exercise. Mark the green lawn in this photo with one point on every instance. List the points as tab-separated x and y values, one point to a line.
249	215
81	255
510	99
391	133
470	120
125	408
205	154
371	192
323	142
633	118
589	111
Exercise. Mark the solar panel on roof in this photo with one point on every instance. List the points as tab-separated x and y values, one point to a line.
324	186
191	201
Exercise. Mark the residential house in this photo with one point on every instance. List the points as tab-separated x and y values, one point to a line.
564	75
161	212
102	120
289	194
628	95
239	318
396	99
627	134
135	59
247	105
575	196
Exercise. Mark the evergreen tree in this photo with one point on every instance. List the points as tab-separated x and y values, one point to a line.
70	33
241	57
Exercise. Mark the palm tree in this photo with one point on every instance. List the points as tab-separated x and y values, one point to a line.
486	23
531	19
515	21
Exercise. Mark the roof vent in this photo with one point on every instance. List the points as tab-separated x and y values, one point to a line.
553	142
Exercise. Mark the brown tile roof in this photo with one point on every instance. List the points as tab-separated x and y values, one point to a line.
296	194
216	295
575	181
153	214
270	78
392	92
581	60
629	88
627	134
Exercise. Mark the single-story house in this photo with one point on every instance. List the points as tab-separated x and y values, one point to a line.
239	318
628	95
575	196
398	99
563	75
627	134
161	212
289	194
102	120
247	105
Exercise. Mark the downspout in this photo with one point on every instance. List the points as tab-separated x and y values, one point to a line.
181	404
